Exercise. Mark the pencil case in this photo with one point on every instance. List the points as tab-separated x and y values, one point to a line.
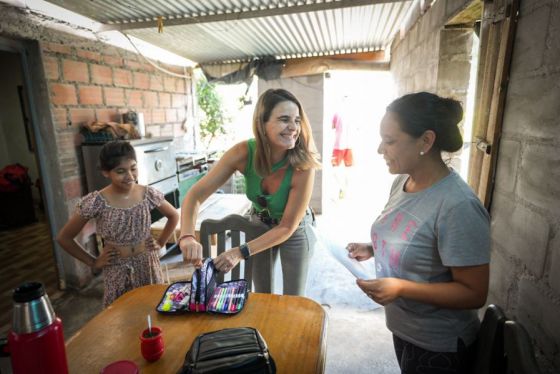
204	294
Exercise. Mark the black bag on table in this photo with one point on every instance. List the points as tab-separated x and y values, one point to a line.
239	350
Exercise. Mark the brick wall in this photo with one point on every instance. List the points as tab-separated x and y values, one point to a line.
77	79
100	85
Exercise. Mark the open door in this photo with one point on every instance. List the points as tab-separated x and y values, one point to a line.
497	34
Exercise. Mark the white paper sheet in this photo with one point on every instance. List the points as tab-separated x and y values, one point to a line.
357	268
338	250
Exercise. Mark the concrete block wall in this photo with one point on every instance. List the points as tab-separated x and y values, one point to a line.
426	58
525	212
309	90
431	58
526	207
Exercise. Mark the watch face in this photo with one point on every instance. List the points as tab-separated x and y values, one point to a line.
245	251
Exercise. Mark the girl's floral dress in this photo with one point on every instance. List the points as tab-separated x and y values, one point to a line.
123	227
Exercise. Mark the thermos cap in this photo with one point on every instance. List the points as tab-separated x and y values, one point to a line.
32	308
28	292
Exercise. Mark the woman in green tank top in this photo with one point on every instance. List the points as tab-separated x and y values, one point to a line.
279	167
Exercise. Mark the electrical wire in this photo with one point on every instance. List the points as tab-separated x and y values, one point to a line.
153	64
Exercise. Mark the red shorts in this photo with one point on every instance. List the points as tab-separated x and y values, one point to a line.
342	154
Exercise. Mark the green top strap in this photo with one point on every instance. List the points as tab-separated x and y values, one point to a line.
276	202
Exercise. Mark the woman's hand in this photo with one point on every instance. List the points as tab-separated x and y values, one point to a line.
228	260
383	291
192	251
359	251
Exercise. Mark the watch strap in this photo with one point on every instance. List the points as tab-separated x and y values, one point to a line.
244	248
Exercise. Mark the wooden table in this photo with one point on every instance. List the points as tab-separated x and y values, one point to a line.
294	328
217	206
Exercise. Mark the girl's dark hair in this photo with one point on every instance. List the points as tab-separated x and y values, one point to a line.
423	111
113	153
303	156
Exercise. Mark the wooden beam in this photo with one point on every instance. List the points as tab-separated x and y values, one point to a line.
496	48
353	61
467	16
172	20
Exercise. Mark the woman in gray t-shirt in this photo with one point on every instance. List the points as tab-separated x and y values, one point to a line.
431	242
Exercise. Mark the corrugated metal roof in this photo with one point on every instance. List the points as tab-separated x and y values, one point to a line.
225	31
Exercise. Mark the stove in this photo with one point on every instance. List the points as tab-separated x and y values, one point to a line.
191	167
189	160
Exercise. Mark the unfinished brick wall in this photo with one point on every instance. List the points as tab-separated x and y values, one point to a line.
76	78
86	86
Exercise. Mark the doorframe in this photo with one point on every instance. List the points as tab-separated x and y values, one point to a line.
42	125
497	35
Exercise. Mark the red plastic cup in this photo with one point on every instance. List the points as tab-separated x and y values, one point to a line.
152	346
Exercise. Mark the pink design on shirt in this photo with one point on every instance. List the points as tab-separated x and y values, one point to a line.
383	219
409	226
394	258
397	221
374	241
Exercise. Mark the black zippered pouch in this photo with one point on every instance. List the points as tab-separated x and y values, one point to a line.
233	351
203	294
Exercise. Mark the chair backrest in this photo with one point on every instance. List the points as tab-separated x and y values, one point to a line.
490	343
231	227
518	350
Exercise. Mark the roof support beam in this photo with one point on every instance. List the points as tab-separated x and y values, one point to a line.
233	16
316	65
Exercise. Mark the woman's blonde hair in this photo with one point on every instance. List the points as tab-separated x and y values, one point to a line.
303	156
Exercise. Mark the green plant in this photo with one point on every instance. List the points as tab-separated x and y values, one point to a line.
214	121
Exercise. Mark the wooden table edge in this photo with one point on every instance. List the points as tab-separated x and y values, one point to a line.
321	362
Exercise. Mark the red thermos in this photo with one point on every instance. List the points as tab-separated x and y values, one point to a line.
36	342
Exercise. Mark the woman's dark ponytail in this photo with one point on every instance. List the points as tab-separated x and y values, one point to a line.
423	111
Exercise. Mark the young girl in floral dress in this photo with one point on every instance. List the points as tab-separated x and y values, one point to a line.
122	214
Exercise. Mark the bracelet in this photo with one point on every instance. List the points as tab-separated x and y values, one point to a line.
184	237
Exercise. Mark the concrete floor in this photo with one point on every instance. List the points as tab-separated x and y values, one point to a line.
358	341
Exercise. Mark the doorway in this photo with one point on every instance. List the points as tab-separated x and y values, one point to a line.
26	248
359	191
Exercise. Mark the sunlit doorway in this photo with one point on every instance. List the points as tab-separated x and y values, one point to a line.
354	195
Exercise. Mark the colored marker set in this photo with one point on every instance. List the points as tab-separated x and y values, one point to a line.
228	297
204	294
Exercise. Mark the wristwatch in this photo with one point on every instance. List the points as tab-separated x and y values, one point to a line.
244	248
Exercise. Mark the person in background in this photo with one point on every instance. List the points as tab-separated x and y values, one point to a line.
279	168
431	242
130	256
342	157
